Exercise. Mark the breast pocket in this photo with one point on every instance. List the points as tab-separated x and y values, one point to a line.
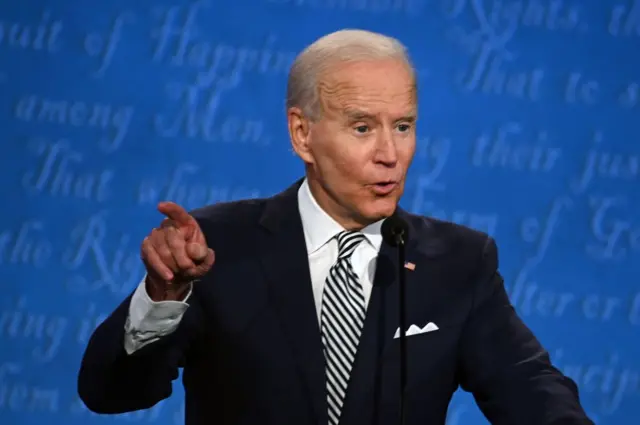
442	337
431	352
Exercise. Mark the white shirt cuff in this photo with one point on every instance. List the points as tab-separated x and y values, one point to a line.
149	320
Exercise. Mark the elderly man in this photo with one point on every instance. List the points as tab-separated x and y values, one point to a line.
284	310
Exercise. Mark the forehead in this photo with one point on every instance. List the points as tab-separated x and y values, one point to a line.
376	87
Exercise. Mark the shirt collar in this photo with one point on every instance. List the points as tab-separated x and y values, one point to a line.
319	228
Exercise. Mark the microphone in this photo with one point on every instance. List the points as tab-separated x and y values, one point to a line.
395	232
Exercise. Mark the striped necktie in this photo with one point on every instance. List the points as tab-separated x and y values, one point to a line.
341	321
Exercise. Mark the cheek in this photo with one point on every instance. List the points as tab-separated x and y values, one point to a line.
348	167
355	163
345	158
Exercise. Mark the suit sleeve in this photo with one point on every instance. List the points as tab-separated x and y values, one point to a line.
505	367
112	381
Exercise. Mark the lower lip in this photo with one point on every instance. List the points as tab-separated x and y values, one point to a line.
384	189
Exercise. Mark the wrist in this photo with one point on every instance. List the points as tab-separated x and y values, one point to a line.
165	291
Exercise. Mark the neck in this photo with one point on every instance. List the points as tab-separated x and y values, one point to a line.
332	207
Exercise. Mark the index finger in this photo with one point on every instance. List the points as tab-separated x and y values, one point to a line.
176	213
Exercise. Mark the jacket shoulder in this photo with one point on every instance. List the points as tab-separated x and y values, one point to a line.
449	236
229	213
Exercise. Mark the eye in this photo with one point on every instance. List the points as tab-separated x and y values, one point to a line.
361	129
404	127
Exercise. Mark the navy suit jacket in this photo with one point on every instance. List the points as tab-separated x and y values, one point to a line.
250	341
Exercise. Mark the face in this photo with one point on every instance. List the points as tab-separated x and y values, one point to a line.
358	151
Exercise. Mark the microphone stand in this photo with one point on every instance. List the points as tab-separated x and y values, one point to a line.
403	325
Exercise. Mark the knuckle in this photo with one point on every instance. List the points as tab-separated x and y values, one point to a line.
183	264
164	252
184	261
174	242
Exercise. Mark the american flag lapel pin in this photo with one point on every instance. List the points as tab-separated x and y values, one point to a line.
410	266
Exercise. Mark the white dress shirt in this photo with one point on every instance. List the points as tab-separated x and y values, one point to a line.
149	320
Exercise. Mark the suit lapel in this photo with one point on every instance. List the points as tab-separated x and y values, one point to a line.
284	258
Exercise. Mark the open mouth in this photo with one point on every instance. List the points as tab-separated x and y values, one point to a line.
384	188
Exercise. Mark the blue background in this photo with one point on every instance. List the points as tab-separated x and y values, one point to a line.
528	130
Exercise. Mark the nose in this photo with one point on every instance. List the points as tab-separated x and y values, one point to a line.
386	151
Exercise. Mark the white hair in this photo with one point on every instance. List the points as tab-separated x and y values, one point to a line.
332	49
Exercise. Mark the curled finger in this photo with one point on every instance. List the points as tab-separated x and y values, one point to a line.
177	245
153	262
159	242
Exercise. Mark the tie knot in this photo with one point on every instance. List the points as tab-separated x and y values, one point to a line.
348	241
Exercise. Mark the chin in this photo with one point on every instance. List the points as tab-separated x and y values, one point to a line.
379	208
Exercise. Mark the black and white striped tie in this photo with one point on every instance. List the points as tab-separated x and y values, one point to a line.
341	321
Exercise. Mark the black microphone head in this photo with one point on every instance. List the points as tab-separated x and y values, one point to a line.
395	231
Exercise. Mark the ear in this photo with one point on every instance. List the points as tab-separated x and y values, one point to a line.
299	132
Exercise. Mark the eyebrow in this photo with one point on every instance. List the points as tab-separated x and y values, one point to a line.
356	114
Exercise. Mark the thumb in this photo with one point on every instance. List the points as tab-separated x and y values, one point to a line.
196	251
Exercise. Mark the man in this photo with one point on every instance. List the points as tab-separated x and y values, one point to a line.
295	321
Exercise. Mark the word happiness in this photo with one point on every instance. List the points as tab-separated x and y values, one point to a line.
176	36
192	110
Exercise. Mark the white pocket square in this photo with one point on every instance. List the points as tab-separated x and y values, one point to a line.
415	330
